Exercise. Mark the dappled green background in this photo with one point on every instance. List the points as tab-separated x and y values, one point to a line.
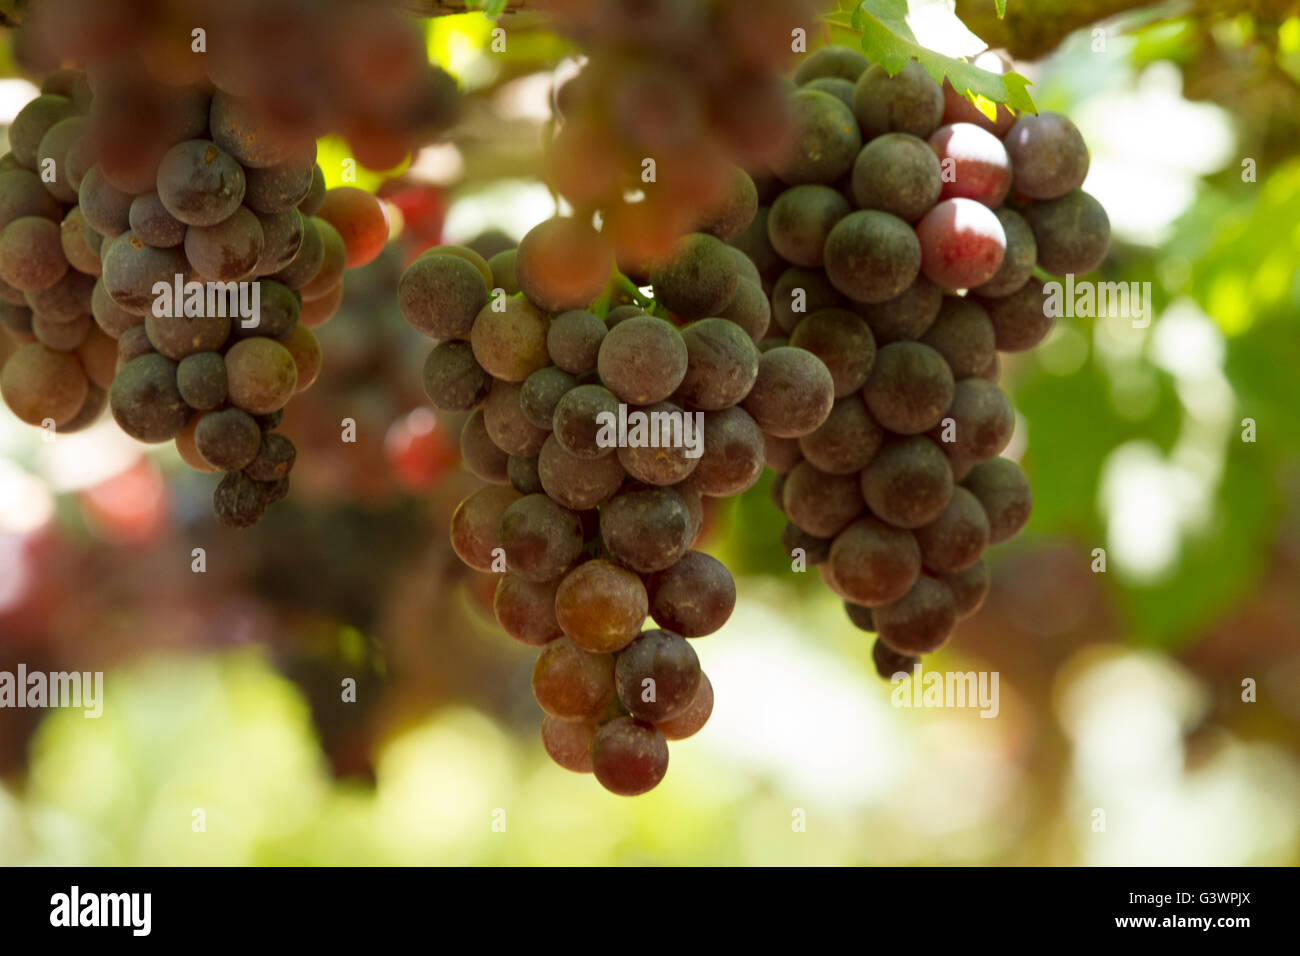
1121	690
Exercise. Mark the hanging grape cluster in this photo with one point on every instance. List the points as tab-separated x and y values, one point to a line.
671	94
592	533
167	243
899	240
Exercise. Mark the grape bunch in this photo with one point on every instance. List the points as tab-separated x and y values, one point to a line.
901	239
691	86
546	345
179	289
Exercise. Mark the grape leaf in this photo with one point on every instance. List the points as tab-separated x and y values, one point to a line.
929	31
489	8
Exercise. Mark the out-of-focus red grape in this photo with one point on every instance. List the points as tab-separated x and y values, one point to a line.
419	450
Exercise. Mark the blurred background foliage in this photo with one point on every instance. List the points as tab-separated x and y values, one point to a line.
1120	690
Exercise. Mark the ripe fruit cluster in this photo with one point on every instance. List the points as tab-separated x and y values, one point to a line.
670	95
899	239
229	217
591	534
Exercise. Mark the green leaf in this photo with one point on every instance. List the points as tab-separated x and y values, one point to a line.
489	8
928	31
1001	7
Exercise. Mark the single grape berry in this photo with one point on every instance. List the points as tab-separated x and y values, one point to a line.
667	449
860	616
441	295
798	293
1021	319
846	442
601	606
963	335
646	529
969	588
511	344
568	742
541	392
908	102
908	483
239	501
361	221
563	264
793	394
145	401
844	343
801	219
962	244
1004	491
507	424
840	62
228	439
573	341
899	174
975	163
749	308
694	597
820	503
262	375
275	458
1048	155
957	538
1072	233
690	721
1018	263
978	424
798	542
476	524
572	684
31	254
824	141
642	360
889	662
904	318
227	250
721	364
524	475
526	610
872	256
581	418
874	563
733	456
541	539
199	183
628	756
698	278
657	675
910	388
919	622
480	454
38	383
579	484
150	220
